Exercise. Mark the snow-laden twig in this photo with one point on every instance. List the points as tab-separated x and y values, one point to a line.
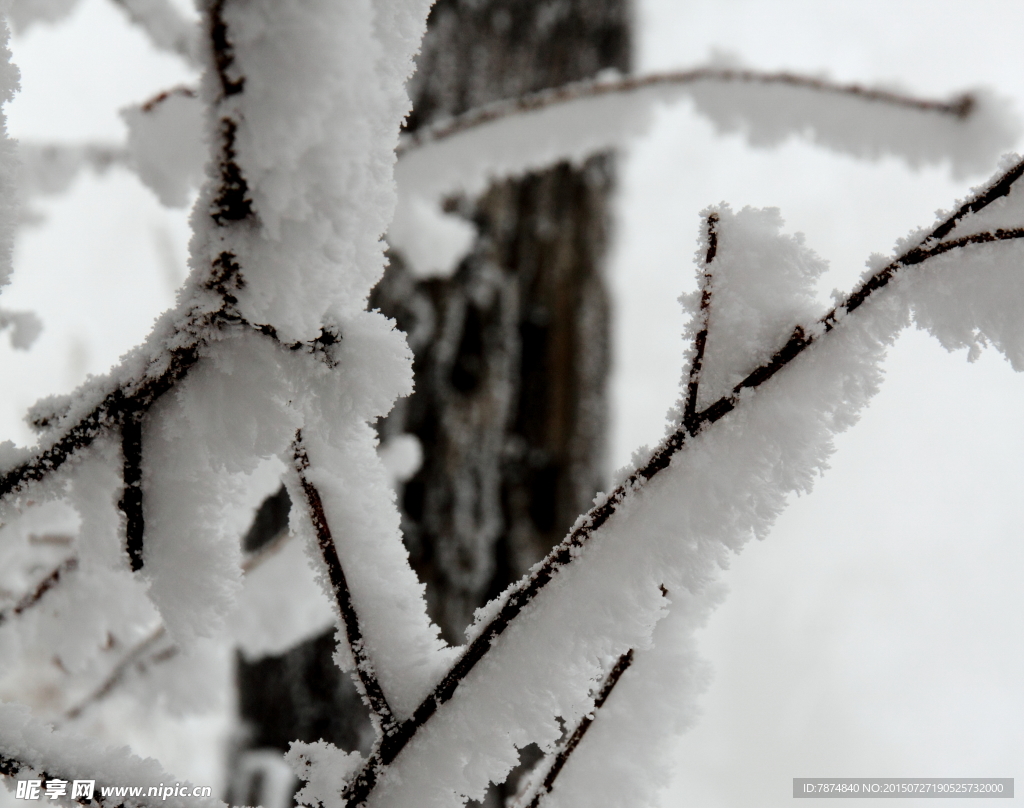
135	657
701	337
148	651
366	677
960	106
574	121
568	746
516	598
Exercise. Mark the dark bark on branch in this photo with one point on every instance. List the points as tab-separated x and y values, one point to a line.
701	338
527	589
131	499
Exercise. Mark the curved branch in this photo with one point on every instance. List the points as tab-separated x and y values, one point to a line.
958	107
519	595
365	674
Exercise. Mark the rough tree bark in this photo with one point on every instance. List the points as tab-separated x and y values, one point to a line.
511	358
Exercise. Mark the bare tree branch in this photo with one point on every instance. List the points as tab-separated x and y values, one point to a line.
365	674
959	107
517	597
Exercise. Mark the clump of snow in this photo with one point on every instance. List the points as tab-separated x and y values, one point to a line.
280	604
402	456
972	296
325	770
761	285
166	145
431	241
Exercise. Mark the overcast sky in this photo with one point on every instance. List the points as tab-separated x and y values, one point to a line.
877	631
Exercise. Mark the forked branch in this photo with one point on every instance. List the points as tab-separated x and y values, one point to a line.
518	596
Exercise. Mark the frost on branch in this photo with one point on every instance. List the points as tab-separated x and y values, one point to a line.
721	477
575	121
970	299
755	286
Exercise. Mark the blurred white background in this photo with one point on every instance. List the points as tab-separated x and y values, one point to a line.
877	631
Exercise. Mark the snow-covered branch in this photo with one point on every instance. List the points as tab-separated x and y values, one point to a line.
503	613
572	741
575	121
366	677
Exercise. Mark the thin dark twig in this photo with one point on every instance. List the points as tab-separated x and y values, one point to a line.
522	593
959	107
131	499
365	673
116	676
30	599
701	338
570	744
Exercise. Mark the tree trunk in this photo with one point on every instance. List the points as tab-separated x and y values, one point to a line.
511	355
